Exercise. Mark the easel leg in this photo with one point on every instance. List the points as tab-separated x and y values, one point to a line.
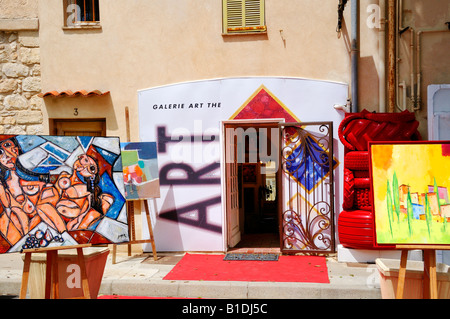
130	211
51	275
429	274
48	276
84	279
114	254
55	275
150	229
25	275
402	274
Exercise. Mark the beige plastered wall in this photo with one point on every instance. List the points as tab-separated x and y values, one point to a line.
421	55
428	52
149	43
143	44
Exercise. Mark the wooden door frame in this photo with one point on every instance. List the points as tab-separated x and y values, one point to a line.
98	122
236	123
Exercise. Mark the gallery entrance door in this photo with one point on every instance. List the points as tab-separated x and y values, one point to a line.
251	170
279	180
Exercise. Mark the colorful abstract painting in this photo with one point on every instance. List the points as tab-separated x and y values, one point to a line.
60	190
410	190
140	170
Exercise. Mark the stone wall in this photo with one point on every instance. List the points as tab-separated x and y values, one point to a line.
20	83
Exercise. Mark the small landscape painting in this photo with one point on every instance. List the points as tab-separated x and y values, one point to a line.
411	184
140	170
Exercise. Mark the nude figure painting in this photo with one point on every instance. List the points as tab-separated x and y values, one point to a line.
60	190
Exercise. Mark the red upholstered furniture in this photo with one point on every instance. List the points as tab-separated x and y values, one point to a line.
355	222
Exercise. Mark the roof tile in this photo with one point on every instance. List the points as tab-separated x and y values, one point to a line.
69	93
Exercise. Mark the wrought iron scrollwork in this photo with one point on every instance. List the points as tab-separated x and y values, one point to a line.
307	163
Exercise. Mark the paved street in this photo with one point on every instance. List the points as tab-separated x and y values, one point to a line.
140	275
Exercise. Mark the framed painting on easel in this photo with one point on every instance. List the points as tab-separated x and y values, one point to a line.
410	193
140	170
141	182
60	191
411	184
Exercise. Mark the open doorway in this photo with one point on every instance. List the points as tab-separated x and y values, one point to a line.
252	174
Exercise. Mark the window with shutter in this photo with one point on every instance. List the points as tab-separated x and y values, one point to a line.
79	13
243	16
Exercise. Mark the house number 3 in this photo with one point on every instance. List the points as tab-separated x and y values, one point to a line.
75	111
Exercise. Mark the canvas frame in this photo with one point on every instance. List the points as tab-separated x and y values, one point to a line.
421	230
61	191
141	173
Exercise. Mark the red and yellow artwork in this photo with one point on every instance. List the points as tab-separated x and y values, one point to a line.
410	191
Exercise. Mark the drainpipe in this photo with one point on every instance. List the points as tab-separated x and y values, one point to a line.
382	59
418	100
419	75
400	29
413	84
391	56
354	54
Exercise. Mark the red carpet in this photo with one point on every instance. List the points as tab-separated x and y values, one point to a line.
286	269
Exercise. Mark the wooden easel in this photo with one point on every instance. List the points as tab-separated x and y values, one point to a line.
51	274
132	233
130	212
429	275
